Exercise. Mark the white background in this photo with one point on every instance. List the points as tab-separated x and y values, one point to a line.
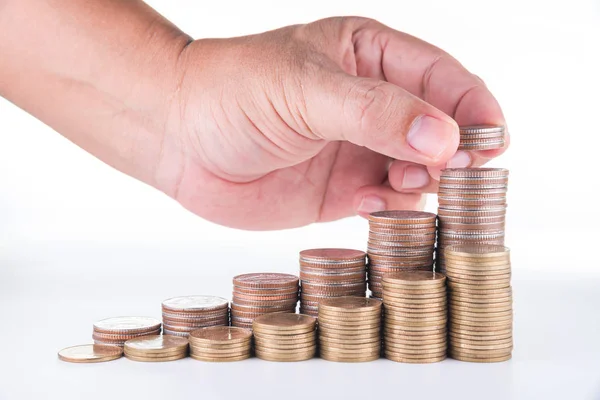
80	241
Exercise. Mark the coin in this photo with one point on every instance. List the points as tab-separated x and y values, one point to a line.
220	359
265	280
195	303
332	255
157	344
335	357
461	357
90	353
156	359
405	359
284	322
126	325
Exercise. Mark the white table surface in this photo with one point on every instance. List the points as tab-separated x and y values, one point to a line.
51	294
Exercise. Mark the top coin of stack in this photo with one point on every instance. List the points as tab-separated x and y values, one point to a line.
262	293
156	348
220	344
326	273
481	137
90	353
480	303
350	329
181	315
116	331
285	337
399	241
472	208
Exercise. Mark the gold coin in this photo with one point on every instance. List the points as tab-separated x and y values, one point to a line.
276	346
415	319
220	352
493	345
414	279
423	308
139	354
359	318
156	344
400	347
481	360
402	354
202	345
157	359
416	350
327	325
410	303
363	322
408	360
285	341
345	351
419	341
480	353
344	336
90	353
298	337
220	359
349	345
338	358
286	358
416	313
411	325
221	335
288	332
475	338
283	322
460	285
481	320
286	351
350	304
420	331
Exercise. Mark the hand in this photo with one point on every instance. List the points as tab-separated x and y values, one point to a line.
317	122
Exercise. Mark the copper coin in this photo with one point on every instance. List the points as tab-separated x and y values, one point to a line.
265	280
221	359
90	353
332	255
156	344
465	330
260	309
411	340
284	322
157	359
482	339
334	271
120	338
126	325
242	298
395	328
195	303
350	304
338	358
482	360
398	332
417	278
341	278
402	359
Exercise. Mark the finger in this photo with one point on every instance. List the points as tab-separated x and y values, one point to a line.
380	116
407	177
370	199
427	72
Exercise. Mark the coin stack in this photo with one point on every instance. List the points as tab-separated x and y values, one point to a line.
262	293
220	344
184	314
481	137
326	273
399	241
472	208
480	303
90	353
350	329
156	348
116	331
415	317
285	337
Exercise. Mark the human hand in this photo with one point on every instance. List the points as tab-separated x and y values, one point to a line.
318	122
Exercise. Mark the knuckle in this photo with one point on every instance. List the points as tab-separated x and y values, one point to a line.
370	106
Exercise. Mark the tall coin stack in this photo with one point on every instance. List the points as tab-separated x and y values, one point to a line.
326	273
182	315
415	321
399	241
262	293
220	344
116	331
472	208
481	137
350	329
285	337
480	303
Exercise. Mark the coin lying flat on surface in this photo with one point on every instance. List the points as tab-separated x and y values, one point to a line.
90	353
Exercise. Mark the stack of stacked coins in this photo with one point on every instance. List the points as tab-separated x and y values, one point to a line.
220	344
480	303
156	348
117	330
481	137
326	273
350	329
415	319
285	337
399	241
262	293
182	315
472	208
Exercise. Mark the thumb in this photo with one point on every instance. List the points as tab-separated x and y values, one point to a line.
381	116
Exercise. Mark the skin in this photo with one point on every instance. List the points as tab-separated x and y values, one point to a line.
303	124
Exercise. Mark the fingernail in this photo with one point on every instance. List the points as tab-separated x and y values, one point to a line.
431	136
370	204
414	177
461	159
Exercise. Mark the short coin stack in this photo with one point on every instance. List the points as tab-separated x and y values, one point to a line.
182	315
90	353
220	344
472	208
326	273
415	322
116	331
480	303
262	293
481	137
284	337
156	348
350	329
399	241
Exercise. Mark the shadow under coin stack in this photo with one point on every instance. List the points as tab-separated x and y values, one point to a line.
182	315
156	348
399	241
117	330
480	303
415	321
326	273
285	337
350	329
220	344
472	208
262	293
